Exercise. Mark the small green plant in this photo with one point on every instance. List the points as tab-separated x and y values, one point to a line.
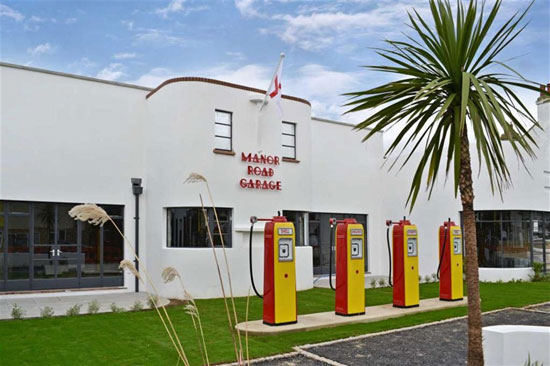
116	309
534	363
434	277
138	306
17	312
500	281
73	310
382	282
93	307
427	279
419	279
373	283
538	273
46	312
152	300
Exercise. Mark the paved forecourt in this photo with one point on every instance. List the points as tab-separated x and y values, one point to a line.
330	319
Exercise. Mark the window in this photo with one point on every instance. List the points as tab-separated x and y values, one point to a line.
508	239
289	140
186	227
298	219
223	131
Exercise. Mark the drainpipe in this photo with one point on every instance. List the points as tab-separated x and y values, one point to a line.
137	189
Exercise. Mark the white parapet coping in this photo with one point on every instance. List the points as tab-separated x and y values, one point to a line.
330	319
504	274
516	344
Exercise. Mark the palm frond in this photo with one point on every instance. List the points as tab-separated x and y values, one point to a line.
444	89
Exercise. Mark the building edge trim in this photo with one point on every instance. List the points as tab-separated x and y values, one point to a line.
74	76
222	83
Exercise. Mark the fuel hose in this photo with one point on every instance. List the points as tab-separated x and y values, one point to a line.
445	228
330	256
252	221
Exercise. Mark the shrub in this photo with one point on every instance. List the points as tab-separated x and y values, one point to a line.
151	301
17	312
373	283
382	282
116	309
427	279
46	312
538	273
137	306
419	279
434	277
73	310
93	307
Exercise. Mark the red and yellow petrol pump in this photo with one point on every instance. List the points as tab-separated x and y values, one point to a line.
350	267
450	262
279	271
405	263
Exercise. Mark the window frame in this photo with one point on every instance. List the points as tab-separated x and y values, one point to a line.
294	125
230	138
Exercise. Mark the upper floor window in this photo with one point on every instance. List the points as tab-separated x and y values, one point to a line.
289	140
187	228
223	131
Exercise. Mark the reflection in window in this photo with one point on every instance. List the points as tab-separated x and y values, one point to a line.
508	239
112	248
18	246
223	131
298	219
186	227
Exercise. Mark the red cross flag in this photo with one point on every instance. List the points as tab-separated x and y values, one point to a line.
274	91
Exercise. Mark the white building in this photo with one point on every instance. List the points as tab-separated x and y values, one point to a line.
67	139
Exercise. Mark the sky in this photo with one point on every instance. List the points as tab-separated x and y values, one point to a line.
326	42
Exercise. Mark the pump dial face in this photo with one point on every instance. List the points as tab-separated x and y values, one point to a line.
457	246
356	248
285	250
411	247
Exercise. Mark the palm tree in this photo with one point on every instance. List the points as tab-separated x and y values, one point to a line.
446	93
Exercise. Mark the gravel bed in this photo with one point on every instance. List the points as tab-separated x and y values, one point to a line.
437	344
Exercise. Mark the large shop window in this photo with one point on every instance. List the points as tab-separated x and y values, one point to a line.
187	228
289	140
42	247
223	131
319	238
508	239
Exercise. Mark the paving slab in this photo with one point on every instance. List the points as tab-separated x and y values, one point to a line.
330	319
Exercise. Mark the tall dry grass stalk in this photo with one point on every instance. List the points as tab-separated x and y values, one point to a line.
238	351
169	274
197	178
95	215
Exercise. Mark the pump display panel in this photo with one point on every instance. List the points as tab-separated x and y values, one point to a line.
356	248
457	246
285	250
412	247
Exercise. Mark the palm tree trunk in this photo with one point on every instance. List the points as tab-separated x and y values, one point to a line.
475	347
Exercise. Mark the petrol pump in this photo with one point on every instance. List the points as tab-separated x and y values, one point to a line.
405	263
450	262
279	271
350	266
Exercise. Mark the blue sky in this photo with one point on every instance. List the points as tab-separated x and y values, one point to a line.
326	42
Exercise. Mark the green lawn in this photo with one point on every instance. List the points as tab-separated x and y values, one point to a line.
139	338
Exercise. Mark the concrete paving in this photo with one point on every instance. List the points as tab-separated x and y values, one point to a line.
60	302
330	319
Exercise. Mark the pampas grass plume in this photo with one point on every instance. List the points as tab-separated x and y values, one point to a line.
126	264
90	213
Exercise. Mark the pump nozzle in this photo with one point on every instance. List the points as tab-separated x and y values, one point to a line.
253	219
388	222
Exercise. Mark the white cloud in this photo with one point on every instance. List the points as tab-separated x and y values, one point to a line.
124	55
6	11
83	63
246	7
319	84
41	49
128	24
236	55
158	37
71	20
111	72
174	6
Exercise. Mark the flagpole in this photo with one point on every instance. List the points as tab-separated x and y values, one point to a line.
272	79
